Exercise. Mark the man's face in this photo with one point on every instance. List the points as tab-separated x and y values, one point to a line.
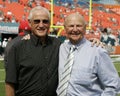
40	23
75	29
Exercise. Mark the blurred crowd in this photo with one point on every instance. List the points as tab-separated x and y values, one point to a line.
3	45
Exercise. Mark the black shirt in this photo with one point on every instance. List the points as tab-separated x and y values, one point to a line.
33	67
8	47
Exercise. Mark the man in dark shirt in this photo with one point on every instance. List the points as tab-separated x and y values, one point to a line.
31	67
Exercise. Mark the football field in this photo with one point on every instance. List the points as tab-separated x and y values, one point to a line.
2	75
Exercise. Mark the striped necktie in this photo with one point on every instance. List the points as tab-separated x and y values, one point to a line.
64	81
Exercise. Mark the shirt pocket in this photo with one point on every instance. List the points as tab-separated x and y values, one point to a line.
83	77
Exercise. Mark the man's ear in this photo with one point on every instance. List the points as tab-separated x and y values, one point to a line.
29	22
65	29
85	27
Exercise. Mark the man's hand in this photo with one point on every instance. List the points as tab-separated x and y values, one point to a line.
97	42
26	37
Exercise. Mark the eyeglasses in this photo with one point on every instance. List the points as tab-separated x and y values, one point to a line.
37	21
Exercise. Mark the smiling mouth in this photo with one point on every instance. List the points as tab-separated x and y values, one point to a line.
75	34
41	29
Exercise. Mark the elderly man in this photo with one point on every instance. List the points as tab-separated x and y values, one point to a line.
86	70
31	66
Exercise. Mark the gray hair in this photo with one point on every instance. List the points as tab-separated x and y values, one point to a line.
38	8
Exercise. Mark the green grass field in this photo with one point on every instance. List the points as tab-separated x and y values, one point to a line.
2	76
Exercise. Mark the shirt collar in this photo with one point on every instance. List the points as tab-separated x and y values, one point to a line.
36	41
69	44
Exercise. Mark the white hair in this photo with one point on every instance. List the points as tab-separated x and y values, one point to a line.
38	8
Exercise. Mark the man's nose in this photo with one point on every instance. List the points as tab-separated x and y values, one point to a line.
41	24
75	28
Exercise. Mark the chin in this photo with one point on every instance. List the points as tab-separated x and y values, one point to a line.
76	38
40	34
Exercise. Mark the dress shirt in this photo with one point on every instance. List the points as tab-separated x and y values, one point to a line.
32	67
93	72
